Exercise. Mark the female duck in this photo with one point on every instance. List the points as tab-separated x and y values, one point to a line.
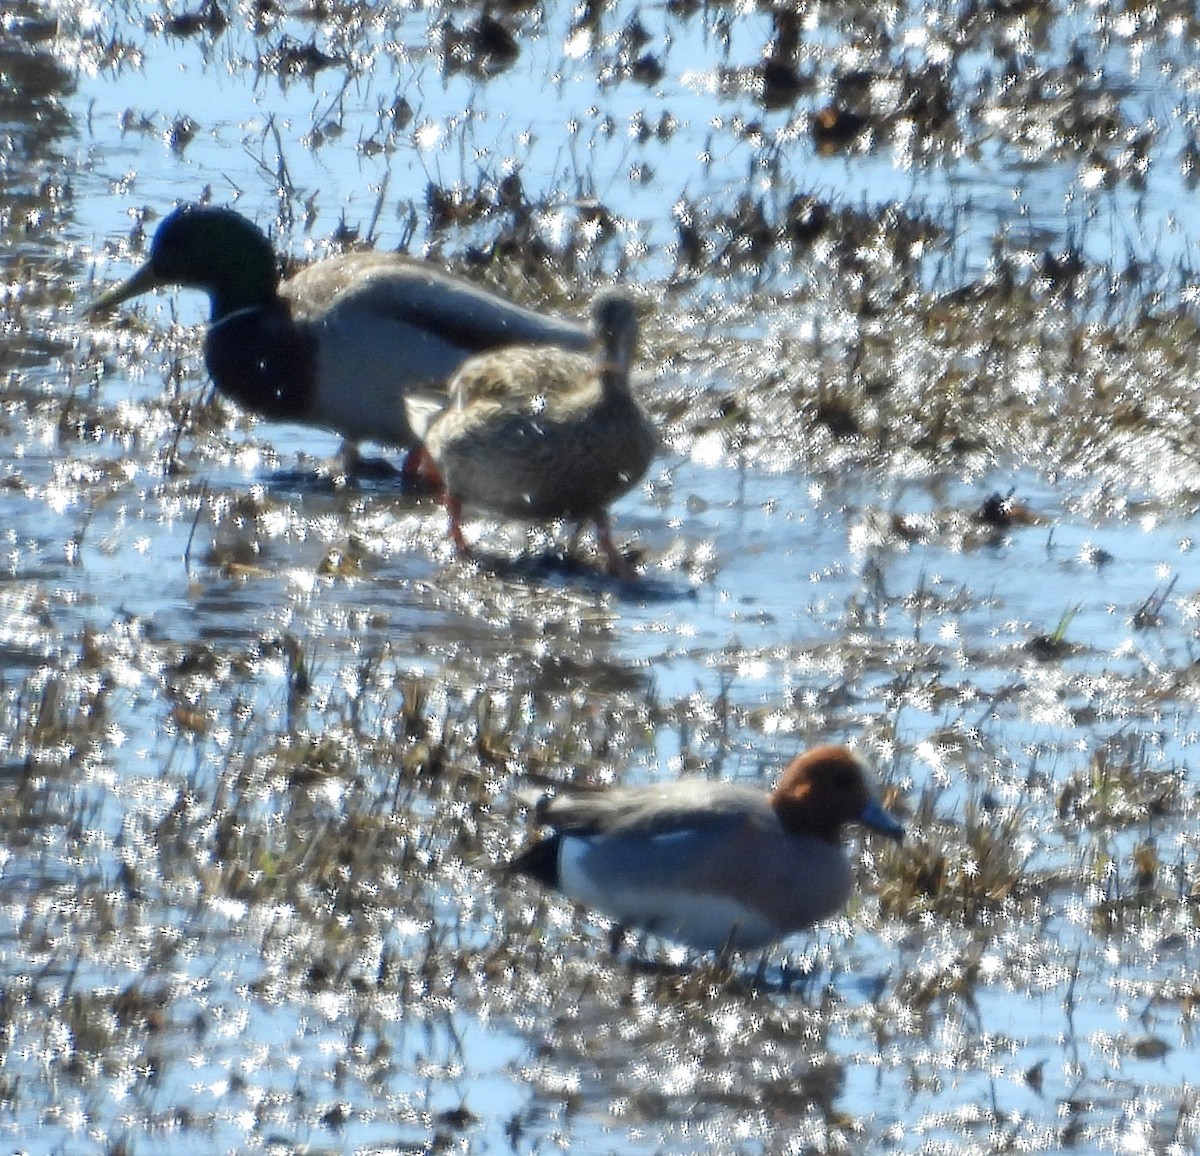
716	866
339	344
542	433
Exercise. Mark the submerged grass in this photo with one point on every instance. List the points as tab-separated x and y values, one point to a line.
327	849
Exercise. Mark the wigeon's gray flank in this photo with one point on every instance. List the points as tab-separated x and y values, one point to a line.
717	866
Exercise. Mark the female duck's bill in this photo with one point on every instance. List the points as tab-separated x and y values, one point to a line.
341	343
717	866
544	433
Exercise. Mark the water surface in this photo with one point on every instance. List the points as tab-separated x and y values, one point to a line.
261	732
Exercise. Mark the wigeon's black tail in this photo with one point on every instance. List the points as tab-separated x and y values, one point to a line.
539	861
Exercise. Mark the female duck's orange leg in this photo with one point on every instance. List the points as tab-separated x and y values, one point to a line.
420	472
454	509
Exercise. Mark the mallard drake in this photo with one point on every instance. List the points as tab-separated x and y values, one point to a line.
716	866
542	433
339	344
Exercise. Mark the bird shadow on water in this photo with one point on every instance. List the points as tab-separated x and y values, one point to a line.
367	475
550	566
747	976
561	567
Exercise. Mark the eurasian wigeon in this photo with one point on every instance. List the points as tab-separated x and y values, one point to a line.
718	866
542	433
342	342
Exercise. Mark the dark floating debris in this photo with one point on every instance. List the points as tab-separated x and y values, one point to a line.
484	48
1002	511
836	129
291	58
207	18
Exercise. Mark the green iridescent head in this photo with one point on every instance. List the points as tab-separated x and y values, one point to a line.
213	249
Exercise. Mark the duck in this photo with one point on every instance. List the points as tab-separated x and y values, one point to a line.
714	866
339	344
543	433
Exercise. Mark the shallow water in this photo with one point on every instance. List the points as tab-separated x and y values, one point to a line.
259	732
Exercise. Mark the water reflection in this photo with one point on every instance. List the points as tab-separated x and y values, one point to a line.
33	104
261	739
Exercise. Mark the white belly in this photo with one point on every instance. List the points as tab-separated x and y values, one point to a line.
703	921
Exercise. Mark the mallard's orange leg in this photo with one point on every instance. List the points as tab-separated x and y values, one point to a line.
349	457
618	567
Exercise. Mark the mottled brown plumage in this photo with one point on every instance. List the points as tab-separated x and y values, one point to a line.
542	433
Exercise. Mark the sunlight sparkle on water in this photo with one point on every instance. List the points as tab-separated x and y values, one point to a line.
169	695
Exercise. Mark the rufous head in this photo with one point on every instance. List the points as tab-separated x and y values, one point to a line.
823	789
